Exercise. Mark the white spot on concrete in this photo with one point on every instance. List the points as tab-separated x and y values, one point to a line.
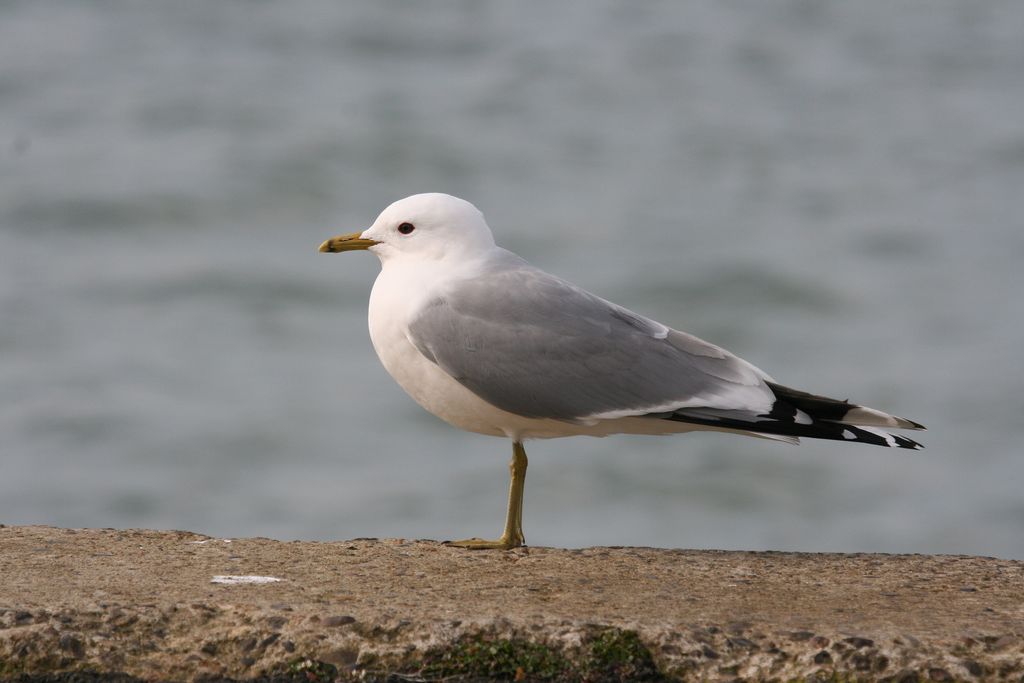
233	580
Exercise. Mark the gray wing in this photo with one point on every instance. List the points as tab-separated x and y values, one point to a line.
537	346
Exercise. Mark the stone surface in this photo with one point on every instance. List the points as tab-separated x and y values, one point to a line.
141	603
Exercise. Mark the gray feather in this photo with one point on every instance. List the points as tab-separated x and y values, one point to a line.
538	346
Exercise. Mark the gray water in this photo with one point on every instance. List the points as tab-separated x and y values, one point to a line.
833	191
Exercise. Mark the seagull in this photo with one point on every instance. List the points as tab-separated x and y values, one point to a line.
492	345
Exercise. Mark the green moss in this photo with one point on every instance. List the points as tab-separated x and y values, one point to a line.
610	655
502	659
10	668
619	655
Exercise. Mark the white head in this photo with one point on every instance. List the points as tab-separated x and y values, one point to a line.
425	226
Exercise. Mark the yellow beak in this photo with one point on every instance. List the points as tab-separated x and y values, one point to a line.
351	242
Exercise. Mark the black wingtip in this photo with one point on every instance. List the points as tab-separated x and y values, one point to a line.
904	442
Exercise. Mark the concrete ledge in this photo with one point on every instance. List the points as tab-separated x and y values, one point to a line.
88	604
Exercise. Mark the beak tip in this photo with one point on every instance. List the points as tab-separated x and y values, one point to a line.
341	243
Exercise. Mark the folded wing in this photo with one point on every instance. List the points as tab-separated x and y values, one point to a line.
540	347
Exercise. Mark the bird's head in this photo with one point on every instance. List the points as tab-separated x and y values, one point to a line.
424	226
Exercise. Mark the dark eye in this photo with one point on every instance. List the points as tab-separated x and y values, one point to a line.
406	228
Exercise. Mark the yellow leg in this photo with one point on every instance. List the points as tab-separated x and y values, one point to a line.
513	534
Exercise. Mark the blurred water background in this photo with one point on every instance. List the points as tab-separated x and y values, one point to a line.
833	191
